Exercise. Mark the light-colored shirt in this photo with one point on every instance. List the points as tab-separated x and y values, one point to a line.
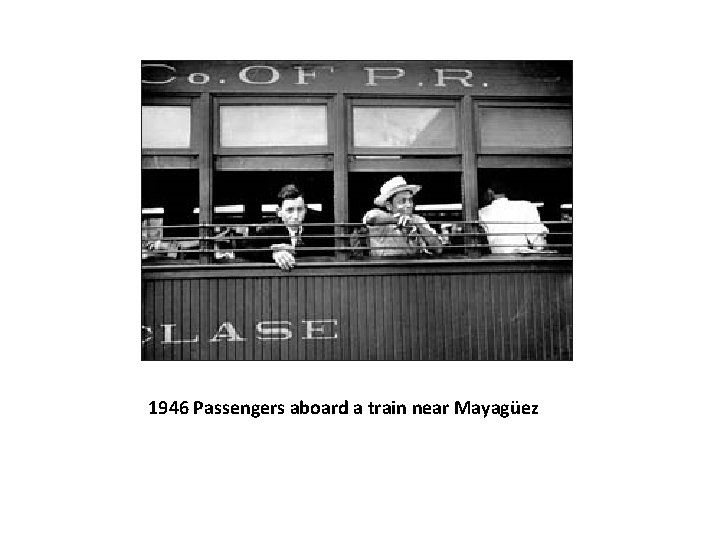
512	237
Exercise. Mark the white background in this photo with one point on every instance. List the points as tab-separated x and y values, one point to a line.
625	445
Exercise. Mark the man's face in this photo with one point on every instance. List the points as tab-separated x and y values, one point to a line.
292	212
401	203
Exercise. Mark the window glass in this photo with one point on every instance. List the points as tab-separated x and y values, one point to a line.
409	127
165	127
528	127
273	125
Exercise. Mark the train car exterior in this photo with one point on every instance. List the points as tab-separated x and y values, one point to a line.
221	137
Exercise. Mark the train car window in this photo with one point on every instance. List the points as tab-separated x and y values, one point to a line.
525	151
170	181
548	189
417	139
404	127
526	129
439	202
245	199
166	126
273	125
169	224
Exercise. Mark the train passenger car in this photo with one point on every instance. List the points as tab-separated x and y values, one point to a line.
221	138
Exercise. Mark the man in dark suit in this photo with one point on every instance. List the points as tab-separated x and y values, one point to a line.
287	237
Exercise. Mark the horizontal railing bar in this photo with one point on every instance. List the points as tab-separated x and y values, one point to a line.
374	235
348	224
342	248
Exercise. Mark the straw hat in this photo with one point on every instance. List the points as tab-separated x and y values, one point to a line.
393	186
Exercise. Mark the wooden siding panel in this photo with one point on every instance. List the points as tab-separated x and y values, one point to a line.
489	315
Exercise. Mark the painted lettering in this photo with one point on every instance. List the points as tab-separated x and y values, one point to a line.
315	329
442	77
264	331
166	81
273	330
204	78
399	73
226	332
302	74
168	339
274	74
146	334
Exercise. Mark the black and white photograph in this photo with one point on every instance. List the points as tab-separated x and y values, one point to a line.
357	210
366	310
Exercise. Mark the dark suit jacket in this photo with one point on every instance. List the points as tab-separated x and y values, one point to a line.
265	236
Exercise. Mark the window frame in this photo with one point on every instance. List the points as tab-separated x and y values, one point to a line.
326	150
449	102
485	151
174	158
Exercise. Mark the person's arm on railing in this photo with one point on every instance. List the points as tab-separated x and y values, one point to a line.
376	216
420	227
283	255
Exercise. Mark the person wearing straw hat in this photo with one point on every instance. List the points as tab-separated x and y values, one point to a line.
394	229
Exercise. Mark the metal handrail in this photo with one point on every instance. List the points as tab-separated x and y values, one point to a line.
341	224
212	242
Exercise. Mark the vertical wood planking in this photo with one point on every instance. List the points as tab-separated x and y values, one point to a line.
293	344
268	347
301	306
186	327
382	304
474	320
166	300
284	313
220	349
422	340
247	320
159	313
148	348
376	316
539	317
258	314
430	325
363	342
195	317
511	299
237	350
308	312
525	337
568	302
483	315
410	294
334	346
487	318
395	305
272	305
356	311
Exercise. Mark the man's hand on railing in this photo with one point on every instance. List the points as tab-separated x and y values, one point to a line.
283	256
